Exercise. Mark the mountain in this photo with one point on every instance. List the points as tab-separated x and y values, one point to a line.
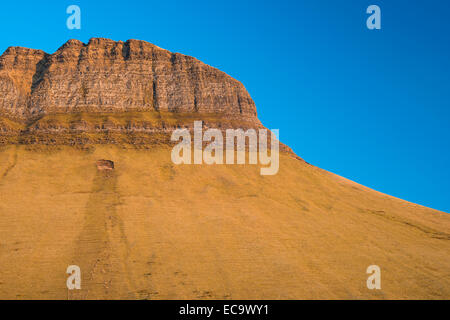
86	179
41	92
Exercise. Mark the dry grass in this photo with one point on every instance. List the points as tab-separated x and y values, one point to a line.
153	230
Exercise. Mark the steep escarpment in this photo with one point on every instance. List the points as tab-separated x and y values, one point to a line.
110	76
18	73
109	91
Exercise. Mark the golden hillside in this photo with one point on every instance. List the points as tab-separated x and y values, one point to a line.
152	230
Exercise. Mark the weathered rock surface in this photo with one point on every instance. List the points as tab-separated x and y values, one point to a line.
109	76
108	92
18	71
103	165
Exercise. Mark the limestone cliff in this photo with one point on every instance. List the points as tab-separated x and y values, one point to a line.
113	92
109	76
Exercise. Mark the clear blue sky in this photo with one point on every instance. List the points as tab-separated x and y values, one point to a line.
372	106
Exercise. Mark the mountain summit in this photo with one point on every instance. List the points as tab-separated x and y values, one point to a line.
107	87
110	76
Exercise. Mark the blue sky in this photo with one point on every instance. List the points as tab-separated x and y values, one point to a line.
370	105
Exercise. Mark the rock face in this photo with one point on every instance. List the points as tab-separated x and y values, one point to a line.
103	165
109	76
107	92
18	71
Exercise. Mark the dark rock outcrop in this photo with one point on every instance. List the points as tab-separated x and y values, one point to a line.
103	165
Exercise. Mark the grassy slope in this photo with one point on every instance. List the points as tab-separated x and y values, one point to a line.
153	230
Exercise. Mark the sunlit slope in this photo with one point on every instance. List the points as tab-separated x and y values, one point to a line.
153	230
